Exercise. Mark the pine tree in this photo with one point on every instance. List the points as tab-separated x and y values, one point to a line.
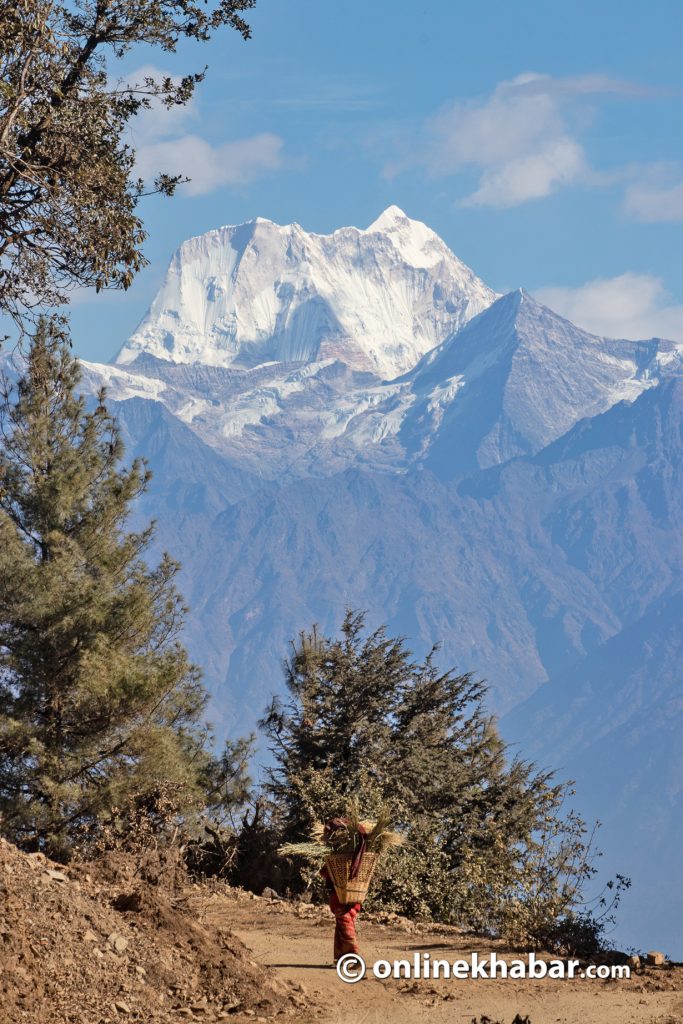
98	700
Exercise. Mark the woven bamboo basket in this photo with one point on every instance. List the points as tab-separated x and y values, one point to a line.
351	890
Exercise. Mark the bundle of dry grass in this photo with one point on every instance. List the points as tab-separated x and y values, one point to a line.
377	832
350	848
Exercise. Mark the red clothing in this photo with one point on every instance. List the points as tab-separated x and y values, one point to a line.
345	914
345	938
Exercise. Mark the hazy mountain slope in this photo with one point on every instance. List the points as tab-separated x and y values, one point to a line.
517	377
408	548
189	477
613	721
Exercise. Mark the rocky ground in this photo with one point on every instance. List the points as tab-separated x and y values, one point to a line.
86	945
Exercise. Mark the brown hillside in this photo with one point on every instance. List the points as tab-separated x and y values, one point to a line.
89	948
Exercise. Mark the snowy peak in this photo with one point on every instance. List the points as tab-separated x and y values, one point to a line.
299	354
491	332
390	218
375	299
517	377
543	351
416	243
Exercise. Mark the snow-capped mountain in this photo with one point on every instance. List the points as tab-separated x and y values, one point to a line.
244	295
511	380
355	420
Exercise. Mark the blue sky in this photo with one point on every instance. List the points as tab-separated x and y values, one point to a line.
542	141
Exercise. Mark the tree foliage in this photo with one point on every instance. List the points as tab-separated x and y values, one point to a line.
98	701
487	842
68	196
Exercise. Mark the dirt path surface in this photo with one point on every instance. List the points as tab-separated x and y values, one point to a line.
296	942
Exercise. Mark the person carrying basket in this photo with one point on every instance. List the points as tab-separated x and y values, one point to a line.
350	849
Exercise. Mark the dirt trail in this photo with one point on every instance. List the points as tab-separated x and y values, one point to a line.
296	943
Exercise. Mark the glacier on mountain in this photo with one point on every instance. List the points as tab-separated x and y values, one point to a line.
259	292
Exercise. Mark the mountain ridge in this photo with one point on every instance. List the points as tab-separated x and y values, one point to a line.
509	381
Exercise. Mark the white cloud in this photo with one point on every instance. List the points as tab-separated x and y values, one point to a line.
163	143
628	306
584	85
497	128
533	176
520	138
652	203
210	167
